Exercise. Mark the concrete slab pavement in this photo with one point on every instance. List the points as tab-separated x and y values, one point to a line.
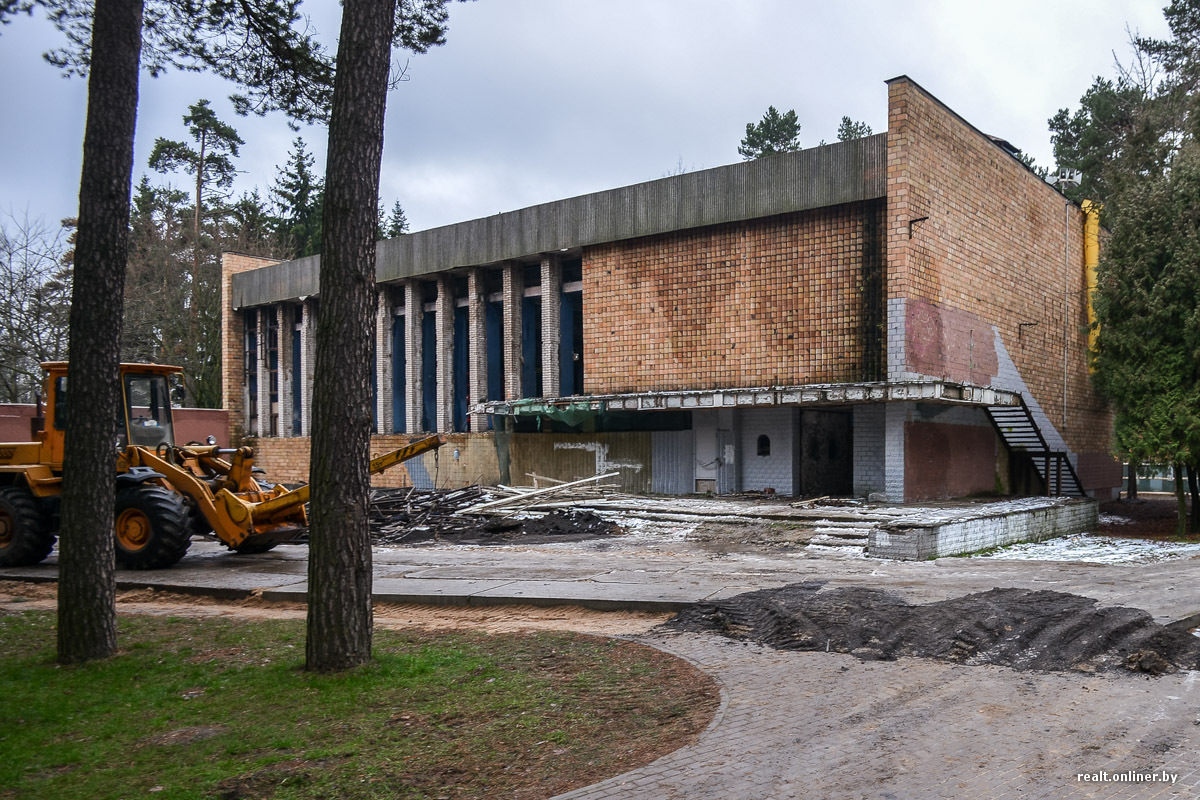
654	576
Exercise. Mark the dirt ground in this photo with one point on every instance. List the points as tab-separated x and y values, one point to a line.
1148	517
19	595
1017	628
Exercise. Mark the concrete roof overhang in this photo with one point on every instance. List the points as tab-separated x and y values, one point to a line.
831	394
828	175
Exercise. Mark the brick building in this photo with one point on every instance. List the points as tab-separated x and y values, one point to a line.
902	314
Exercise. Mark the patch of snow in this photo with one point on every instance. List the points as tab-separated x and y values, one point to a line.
1113	519
1094	549
836	551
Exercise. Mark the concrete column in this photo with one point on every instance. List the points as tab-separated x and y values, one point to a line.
308	360
514	293
477	347
895	415
264	374
383	360
412	358
285	369
444	324
551	326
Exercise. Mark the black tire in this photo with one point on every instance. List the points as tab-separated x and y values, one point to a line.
152	527
25	538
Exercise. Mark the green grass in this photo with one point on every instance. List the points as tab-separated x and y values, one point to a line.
204	708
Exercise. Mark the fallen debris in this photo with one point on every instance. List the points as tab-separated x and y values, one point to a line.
1018	628
519	499
416	516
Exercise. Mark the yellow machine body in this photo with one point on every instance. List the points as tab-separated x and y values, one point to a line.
214	487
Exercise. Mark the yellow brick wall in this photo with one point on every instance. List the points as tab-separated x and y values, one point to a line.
997	246
774	301
232	340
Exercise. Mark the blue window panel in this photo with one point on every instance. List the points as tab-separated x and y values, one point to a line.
494	333
429	385
570	354
531	347
297	384
462	367
399	377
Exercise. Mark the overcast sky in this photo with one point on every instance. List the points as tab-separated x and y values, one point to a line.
535	100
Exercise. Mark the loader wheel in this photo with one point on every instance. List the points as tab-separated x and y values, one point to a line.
24	538
151	526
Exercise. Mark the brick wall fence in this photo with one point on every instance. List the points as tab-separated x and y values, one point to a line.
191	424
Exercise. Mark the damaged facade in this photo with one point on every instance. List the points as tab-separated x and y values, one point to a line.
903	314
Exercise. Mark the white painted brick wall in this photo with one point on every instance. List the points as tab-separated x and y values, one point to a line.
776	470
895	415
383	361
918	543
870	448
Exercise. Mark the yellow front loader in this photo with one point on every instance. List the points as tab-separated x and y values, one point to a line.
165	491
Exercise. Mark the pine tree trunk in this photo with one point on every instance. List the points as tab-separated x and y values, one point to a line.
339	566
87	586
1131	493
1180	502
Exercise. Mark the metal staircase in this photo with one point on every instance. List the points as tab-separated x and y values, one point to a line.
1021	433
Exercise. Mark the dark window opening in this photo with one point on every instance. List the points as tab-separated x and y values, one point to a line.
764	445
493	321
297	381
532	275
571	348
399	377
608	422
493	281
461	364
531	347
429	388
60	403
572	270
250	370
271	343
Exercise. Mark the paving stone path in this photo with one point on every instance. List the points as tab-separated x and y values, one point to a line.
818	725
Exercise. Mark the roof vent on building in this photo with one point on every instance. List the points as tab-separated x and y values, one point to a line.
1067	179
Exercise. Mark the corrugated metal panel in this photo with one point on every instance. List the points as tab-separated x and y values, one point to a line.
820	176
672	469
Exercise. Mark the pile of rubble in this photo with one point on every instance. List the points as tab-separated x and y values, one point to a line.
487	515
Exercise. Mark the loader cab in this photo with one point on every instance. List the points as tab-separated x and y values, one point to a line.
145	416
147	407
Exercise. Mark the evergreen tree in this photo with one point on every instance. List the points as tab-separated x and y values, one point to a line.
250	227
850	129
1111	137
397	224
298	195
197	345
774	133
255	43
1148	309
